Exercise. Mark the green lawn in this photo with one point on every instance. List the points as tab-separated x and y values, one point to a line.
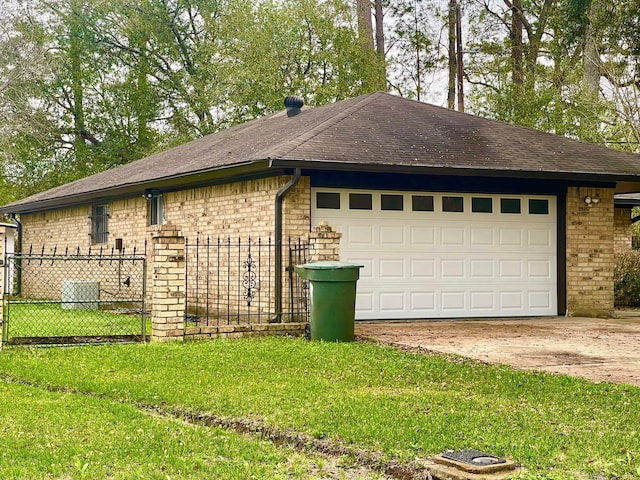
51	320
378	398
54	435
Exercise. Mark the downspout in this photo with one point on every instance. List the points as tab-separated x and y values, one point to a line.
18	250
297	174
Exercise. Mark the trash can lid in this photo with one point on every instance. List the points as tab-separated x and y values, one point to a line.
329	265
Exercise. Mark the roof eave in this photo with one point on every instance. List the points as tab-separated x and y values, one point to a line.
233	173
453	171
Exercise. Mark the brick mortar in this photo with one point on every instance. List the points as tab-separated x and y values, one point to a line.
590	252
237	331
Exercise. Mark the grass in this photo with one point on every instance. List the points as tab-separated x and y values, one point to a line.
403	404
51	320
55	435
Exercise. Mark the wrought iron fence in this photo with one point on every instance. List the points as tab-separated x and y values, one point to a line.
69	297
231	282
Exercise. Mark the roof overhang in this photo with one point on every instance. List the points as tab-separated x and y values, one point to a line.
214	176
279	166
621	183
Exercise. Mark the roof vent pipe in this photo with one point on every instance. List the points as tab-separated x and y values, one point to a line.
294	105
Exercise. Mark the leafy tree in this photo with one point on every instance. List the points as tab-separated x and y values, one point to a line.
115	80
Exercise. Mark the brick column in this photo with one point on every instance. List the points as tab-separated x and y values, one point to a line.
622	230
324	243
169	282
590	257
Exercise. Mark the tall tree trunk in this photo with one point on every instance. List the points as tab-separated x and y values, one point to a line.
77	86
460	59
592	67
380	49
143	107
451	92
365	27
517	27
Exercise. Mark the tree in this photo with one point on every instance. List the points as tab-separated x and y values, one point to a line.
118	79
414	50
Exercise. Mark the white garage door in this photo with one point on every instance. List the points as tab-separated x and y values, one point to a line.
445	255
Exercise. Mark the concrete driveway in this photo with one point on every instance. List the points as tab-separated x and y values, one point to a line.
601	350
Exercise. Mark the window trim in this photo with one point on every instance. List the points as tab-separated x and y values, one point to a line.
99	233
159	217
450	201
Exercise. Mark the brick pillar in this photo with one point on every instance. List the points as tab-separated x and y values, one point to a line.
622	230
324	243
590	257
169	282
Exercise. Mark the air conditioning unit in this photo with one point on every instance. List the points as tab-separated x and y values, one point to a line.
80	294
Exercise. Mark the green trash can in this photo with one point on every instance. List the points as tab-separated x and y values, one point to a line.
332	292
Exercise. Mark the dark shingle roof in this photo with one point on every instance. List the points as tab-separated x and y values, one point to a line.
377	130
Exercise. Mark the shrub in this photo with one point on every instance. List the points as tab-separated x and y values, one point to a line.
626	279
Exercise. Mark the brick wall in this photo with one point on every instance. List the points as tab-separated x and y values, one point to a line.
236	209
621	229
590	252
239	208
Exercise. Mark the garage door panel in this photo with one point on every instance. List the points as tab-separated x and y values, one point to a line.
481	269
453	301
452	268
539	299
513	300
359	235
482	237
482	300
365	304
435	264
392	302
539	238
423	236
452	236
510	237
423	269
539	268
392	269
391	235
367	272
423	302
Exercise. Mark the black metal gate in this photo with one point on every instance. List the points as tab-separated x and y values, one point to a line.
231	282
67	298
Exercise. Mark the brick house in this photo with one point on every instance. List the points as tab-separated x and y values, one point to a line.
452	215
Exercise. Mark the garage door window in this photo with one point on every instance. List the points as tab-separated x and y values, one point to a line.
481	205
538	207
422	203
328	200
392	202
360	201
452	204
509	205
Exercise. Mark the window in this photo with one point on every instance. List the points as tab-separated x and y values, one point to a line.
452	204
360	201
509	205
422	203
156	210
99	224
481	205
328	200
538	207
391	202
